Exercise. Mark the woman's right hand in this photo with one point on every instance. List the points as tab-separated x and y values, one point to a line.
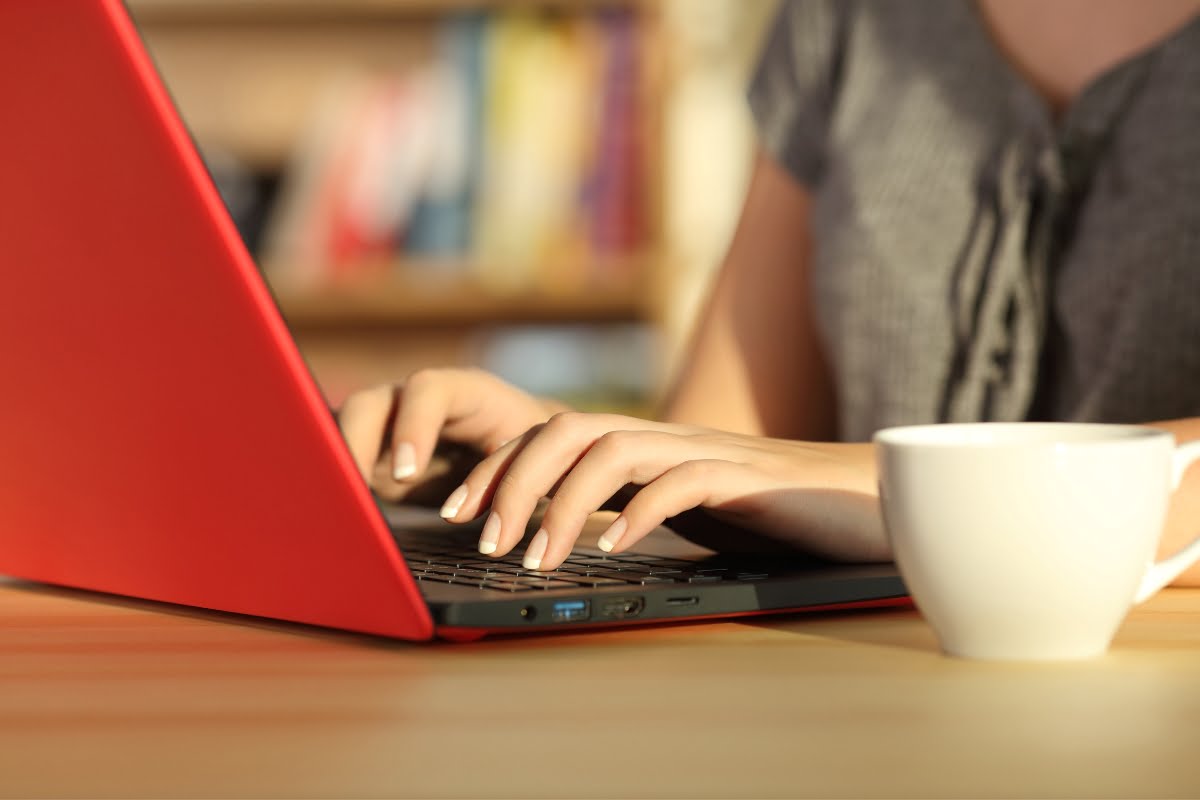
416	440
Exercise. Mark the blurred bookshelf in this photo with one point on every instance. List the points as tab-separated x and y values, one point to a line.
265	86
427	183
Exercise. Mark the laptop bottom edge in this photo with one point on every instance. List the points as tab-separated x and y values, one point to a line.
546	611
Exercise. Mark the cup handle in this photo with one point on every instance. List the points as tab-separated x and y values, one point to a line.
1163	572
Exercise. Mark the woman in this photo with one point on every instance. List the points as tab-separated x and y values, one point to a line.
959	211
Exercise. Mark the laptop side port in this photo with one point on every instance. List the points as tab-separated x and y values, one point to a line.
571	611
621	607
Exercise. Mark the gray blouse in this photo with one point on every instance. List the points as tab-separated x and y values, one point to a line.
976	258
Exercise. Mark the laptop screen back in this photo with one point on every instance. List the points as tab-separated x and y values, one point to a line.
159	434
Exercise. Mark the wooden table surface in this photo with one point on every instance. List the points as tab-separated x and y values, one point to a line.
103	697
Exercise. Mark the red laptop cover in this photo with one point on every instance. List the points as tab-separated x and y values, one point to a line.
160	436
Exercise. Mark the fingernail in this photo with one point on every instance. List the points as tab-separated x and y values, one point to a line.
536	550
454	503
489	537
405	465
608	540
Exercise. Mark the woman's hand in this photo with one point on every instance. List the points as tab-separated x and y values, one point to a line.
414	440
820	498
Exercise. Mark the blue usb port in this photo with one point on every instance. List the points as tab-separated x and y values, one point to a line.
571	611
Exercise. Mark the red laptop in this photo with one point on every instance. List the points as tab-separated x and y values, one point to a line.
160	435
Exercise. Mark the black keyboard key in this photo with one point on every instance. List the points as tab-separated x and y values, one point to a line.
623	577
507	586
553	584
637	569
469	580
585	580
475	571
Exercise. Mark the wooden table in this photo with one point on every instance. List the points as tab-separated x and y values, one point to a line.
101	697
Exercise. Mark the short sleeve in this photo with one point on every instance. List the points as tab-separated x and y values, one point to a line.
794	86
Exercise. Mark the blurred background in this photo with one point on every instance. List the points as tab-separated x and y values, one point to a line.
538	187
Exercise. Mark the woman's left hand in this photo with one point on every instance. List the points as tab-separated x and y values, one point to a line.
819	498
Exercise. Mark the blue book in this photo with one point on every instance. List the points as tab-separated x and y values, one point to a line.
440	225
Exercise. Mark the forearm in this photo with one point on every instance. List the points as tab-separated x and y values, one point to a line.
856	475
754	363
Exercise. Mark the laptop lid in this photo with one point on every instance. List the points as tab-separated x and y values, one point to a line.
160	436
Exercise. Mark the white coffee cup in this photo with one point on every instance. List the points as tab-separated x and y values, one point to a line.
1030	540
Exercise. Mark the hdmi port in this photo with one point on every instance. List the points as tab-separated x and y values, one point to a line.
690	600
622	607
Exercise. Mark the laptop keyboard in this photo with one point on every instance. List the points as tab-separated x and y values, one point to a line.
428	562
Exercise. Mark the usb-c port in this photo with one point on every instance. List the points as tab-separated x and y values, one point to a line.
689	600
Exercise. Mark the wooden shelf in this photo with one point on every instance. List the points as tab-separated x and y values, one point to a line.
222	11
452	302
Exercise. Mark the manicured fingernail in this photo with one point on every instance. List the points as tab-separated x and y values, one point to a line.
608	540
536	550
489	537
405	464
454	503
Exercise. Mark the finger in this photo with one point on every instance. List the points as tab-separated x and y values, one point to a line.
473	497
616	459
476	492
363	420
705	482
519	474
427	400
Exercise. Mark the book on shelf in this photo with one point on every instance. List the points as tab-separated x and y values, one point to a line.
512	157
440	225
